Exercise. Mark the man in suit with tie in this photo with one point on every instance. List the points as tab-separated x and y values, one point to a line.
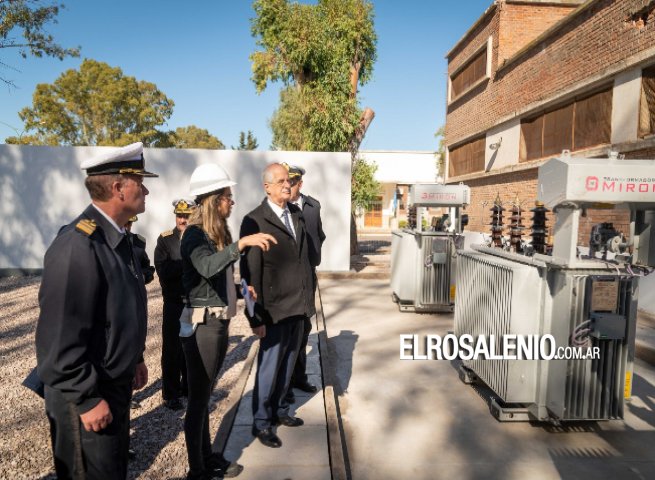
281	277
311	211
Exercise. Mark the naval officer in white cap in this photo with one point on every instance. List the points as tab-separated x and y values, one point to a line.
91	330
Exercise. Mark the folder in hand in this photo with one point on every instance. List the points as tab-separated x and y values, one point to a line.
250	302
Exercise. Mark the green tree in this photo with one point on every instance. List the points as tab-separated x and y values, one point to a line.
441	151
96	105
246	141
22	27
365	189
194	137
321	53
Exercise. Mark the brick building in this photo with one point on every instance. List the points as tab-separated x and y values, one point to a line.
531	78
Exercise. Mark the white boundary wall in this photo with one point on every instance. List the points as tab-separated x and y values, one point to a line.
42	188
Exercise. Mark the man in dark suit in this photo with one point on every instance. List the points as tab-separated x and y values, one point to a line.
91	331
281	278
311	211
168	263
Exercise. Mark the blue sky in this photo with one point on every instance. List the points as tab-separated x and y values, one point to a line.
196	52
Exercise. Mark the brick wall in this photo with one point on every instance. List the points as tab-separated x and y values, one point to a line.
521	23
645	154
602	35
507	186
524	184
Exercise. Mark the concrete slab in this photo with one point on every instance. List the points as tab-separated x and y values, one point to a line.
304	452
313	360
416	419
304	446
310	408
286	472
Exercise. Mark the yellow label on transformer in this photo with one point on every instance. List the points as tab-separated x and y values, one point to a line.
627	389
452	292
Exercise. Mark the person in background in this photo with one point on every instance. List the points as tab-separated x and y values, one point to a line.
311	212
168	263
91	331
285	300
208	256
139	246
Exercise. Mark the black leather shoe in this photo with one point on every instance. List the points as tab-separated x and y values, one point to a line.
305	387
217	464
290	397
174	404
134	404
267	437
290	421
131	454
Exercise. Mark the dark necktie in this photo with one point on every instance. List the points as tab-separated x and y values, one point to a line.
287	223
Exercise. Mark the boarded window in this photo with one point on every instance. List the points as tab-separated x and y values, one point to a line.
558	130
531	138
647	104
593	120
467	158
474	71
583	123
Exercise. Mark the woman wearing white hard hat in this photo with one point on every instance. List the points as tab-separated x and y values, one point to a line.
208	254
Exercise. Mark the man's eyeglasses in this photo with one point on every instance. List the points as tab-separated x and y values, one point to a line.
280	183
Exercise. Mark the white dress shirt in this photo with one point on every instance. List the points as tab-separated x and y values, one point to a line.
121	230
280	214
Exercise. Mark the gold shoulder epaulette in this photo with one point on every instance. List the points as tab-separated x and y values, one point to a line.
86	226
167	233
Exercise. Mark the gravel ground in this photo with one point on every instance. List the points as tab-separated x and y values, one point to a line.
157	433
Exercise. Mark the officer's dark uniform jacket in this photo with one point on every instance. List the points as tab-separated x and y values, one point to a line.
203	274
92	324
282	275
311	212
139	244
168	263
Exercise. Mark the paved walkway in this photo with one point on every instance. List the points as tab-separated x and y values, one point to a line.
415	419
304	451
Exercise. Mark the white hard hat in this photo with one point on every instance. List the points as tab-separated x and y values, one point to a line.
208	178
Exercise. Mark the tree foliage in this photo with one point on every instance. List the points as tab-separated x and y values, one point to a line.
96	105
365	189
246	141
314	119
321	53
194	137
441	151
22	27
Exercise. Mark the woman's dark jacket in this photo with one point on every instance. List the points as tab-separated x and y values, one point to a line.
203	269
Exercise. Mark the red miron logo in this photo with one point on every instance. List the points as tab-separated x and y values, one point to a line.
592	184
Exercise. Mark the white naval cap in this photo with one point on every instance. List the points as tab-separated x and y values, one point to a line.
128	159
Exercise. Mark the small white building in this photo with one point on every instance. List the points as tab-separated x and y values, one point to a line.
396	171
